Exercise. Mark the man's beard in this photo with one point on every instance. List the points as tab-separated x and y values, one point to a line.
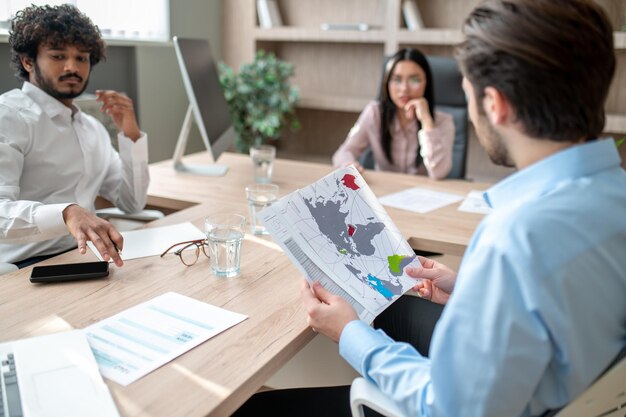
493	143
47	85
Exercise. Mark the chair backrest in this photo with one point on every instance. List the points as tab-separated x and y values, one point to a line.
606	397
6	267
449	98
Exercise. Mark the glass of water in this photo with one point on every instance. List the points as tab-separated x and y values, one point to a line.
263	163
260	196
224	232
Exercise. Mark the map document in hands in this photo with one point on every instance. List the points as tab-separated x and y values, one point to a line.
337	232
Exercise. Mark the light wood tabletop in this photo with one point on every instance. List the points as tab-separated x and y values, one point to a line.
445	230
216	377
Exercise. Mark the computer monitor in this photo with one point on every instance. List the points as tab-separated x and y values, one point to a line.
207	106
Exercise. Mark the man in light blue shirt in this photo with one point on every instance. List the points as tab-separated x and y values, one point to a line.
538	309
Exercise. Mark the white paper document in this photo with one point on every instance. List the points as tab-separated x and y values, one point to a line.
139	340
419	200
336	232
154	241
475	203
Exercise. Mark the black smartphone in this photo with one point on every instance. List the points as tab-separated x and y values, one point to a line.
69	272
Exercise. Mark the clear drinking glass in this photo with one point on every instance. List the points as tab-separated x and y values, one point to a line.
260	196
224	234
263	163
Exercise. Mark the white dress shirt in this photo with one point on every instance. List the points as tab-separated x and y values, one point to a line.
52	156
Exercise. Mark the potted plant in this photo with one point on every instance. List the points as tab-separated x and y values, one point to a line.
260	98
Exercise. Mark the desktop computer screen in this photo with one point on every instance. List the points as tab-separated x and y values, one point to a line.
207	105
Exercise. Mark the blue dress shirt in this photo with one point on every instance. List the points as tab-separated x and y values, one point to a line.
539	306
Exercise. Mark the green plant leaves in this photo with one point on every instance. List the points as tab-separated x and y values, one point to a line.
261	99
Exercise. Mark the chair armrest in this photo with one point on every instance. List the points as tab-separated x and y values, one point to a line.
605	397
364	393
142	216
6	267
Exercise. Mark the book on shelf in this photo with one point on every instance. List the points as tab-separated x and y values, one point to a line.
345	26
411	15
337	232
268	13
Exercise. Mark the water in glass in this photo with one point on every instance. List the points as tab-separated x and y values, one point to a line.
225	251
263	169
259	197
263	163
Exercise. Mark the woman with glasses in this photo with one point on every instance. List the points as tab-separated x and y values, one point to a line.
402	128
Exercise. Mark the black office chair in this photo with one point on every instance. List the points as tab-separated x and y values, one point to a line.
449	98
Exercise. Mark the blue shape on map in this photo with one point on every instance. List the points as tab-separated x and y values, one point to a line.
378	285
386	288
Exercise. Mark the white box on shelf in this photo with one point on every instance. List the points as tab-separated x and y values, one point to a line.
411	15
268	13
345	26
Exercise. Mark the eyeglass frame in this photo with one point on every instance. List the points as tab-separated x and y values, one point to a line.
199	243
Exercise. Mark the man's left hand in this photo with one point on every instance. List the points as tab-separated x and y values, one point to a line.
121	110
328	313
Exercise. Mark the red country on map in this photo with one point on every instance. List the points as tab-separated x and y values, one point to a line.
348	181
351	230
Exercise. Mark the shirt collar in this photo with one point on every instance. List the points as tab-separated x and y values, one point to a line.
50	105
571	163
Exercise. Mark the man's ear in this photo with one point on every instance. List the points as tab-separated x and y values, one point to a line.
27	63
496	106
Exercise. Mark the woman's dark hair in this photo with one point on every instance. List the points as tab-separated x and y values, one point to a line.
553	60
387	108
56	26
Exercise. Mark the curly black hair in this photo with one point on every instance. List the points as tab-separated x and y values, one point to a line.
56	26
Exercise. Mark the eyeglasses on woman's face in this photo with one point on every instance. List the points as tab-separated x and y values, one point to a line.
412	82
189	251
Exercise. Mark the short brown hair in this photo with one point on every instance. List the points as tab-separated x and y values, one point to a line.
55	26
552	59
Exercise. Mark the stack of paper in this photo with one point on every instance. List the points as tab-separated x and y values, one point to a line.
154	241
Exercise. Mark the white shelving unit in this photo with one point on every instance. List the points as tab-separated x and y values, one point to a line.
338	71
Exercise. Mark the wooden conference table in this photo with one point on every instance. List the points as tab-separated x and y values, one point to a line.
220	374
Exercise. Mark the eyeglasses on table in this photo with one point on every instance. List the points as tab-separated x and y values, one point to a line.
188	256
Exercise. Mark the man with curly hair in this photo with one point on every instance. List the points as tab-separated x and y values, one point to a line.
55	159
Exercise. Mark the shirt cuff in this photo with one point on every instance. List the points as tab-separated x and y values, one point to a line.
423	138
49	219
138	150
357	340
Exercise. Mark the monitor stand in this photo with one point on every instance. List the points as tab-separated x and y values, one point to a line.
211	170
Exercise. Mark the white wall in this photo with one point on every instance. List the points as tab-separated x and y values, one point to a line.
161	94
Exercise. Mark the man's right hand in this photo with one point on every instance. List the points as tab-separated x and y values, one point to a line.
84	226
437	280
